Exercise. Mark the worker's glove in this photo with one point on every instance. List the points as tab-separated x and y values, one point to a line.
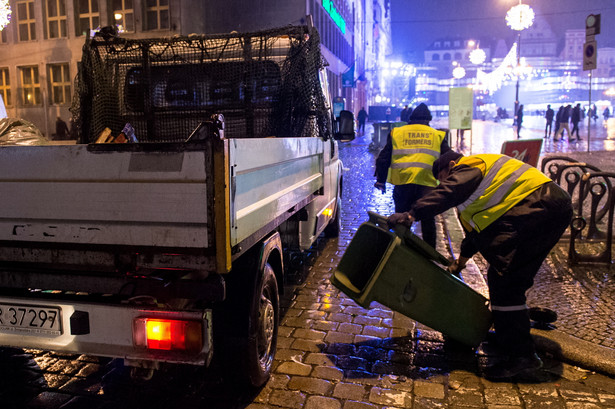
381	186
400	218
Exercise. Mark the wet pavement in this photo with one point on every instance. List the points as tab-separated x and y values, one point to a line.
333	354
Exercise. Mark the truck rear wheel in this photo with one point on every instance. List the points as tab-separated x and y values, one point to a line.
246	323
264	323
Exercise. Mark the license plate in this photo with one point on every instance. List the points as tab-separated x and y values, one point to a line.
30	319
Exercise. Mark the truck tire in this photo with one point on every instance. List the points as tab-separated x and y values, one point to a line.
335	226
246	324
264	322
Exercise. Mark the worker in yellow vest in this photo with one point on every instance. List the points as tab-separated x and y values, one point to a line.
513	215
406	160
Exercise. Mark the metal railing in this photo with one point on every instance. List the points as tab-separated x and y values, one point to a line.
593	200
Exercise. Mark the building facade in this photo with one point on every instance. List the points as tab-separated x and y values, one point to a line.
550	70
40	48
355	36
573	48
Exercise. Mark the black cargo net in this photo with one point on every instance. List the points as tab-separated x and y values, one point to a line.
264	83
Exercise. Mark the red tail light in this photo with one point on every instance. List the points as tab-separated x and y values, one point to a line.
168	335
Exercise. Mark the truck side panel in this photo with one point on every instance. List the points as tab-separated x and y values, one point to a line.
269	178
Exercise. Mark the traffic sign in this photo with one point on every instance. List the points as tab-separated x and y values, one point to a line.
592	25
590	53
527	150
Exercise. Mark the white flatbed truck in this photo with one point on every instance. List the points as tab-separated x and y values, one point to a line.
165	251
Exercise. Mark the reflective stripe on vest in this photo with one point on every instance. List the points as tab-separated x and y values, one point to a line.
415	149
485	183
499	190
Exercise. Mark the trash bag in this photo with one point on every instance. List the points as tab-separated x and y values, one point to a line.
16	131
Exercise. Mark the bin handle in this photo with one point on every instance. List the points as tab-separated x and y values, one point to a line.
378	219
409	238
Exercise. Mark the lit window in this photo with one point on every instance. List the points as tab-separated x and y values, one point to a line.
5	86
123	15
59	84
157	14
30	86
55	19
25	20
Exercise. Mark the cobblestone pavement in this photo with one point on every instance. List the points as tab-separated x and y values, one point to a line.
332	354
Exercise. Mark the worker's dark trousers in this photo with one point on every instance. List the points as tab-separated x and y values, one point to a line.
515	246
404	196
510	315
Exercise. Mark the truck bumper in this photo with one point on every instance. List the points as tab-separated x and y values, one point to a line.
95	329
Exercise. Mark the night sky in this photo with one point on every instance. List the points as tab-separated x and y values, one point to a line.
417	23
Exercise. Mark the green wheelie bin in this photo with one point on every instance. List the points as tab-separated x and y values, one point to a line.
401	271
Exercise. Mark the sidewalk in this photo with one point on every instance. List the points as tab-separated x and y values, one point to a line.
583	296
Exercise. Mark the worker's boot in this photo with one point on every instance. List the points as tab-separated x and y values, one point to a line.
513	366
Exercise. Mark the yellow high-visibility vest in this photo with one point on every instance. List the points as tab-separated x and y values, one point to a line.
415	149
506	181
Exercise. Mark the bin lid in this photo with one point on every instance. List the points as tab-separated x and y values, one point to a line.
410	239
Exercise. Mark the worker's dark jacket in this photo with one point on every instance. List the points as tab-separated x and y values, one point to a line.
383	161
518	236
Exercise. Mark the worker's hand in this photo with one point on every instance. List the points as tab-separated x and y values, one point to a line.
400	218
457	265
381	186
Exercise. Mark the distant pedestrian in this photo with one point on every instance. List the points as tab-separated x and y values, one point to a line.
519	120
594	112
62	130
387	114
606	114
404	116
549	118
563	123
73	129
575	118
558	119
460	135
362	117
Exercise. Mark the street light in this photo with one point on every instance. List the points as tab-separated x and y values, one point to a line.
478	56
5	14
519	18
459	72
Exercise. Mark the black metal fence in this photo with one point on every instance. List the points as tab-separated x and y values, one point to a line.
593	199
